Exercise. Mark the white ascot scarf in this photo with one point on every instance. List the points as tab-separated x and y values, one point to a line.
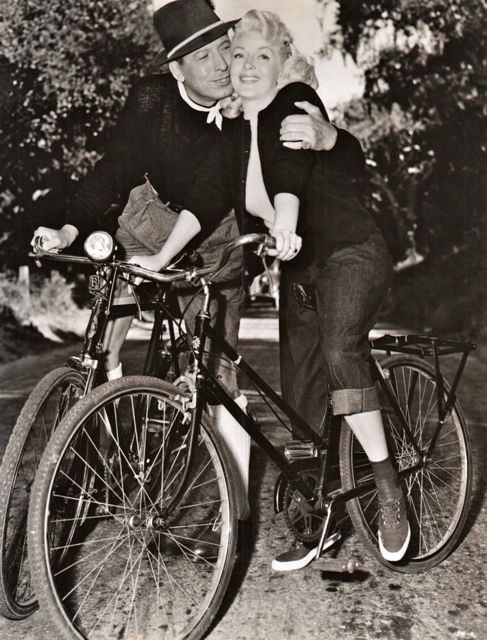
214	112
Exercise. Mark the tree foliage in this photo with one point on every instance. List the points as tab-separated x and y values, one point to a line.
65	68
422	114
422	121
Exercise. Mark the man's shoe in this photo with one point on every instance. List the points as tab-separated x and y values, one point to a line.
297	557
394	529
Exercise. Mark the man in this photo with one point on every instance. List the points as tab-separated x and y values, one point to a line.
164	132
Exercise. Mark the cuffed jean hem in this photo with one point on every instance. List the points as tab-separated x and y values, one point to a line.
345	402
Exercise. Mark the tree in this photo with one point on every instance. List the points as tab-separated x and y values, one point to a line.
425	77
422	121
65	69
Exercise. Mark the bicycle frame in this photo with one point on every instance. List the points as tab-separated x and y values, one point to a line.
102	285
207	387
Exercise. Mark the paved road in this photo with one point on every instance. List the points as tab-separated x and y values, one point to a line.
449	602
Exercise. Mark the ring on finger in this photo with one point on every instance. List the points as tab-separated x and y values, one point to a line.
305	144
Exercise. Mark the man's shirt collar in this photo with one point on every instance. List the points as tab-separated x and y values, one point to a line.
214	112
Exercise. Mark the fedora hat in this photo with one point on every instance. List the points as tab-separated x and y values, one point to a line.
187	25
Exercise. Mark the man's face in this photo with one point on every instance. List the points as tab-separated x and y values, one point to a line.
206	72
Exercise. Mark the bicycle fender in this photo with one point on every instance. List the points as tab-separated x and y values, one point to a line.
279	492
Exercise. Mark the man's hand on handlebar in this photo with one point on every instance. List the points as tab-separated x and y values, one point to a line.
47	239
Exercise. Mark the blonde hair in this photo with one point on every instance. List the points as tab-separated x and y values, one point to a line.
295	66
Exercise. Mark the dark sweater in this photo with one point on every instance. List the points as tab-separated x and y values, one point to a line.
159	134
327	183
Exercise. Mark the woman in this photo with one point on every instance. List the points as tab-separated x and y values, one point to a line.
344	269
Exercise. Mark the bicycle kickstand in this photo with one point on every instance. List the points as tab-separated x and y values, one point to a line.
326	541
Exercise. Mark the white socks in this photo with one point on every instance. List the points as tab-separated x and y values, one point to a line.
237	441
115	374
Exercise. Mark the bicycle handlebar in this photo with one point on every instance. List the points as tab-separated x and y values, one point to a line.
168	275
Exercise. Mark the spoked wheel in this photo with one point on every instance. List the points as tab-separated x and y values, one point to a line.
132	569
438	490
45	407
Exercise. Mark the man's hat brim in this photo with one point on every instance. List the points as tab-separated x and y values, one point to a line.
199	41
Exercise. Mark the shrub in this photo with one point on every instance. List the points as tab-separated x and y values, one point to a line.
65	69
48	305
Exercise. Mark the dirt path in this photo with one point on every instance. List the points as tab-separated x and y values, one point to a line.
448	602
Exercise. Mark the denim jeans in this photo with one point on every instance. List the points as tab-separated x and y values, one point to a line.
325	354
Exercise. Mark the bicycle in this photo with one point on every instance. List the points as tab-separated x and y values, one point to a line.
160	486
57	391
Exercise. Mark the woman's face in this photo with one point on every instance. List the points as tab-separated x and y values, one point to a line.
255	65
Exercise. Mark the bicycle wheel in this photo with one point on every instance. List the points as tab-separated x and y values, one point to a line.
132	570
438	491
40	415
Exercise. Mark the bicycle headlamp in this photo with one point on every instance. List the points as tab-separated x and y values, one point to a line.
99	246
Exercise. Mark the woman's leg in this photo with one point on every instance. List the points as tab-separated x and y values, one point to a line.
350	288
368	428
303	374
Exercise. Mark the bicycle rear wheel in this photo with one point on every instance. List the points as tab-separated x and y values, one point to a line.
43	410
438	492
132	570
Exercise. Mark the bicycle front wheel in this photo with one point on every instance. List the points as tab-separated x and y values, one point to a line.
133	569
438	490
47	403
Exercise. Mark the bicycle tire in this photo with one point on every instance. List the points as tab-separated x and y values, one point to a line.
438	494
17	469
123	593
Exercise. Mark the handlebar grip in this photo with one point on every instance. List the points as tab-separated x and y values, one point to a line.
270	242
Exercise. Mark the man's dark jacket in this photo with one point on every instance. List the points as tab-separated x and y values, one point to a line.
161	135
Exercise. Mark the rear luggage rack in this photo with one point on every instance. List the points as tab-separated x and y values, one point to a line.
433	346
421	345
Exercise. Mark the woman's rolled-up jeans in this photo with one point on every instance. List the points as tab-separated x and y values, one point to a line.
325	353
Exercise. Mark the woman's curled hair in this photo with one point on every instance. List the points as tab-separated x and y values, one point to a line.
295	66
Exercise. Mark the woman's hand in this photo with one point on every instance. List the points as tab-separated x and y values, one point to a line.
288	243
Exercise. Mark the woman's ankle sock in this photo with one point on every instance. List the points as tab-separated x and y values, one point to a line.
116	373
386	479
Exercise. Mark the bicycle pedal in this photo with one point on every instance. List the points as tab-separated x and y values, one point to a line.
299	450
